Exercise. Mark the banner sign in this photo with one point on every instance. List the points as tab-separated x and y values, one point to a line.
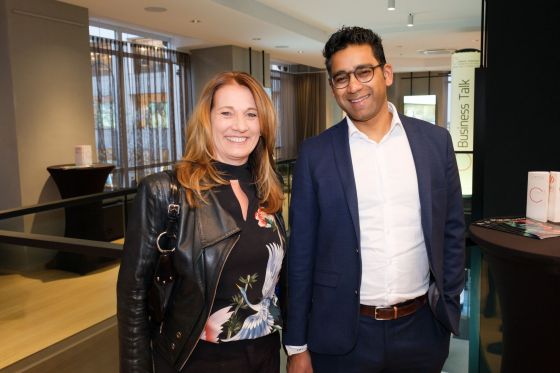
461	126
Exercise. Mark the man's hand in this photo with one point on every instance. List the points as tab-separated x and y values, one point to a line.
300	363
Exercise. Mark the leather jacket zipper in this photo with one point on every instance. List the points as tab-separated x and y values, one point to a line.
213	299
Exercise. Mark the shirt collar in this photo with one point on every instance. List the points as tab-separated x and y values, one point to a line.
395	123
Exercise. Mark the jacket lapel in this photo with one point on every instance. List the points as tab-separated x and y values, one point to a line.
343	161
423	174
213	222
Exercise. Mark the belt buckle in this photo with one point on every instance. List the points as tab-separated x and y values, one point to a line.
378	317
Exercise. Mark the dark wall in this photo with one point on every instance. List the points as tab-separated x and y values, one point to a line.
520	91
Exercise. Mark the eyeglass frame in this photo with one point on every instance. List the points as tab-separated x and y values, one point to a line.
353	72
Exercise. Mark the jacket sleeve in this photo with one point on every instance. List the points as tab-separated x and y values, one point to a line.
301	251
146	220
454	241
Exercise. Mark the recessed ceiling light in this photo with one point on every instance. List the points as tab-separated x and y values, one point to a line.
281	46
196	20
155	9
300	52
256	39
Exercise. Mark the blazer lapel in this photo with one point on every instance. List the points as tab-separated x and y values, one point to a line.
343	161
423	174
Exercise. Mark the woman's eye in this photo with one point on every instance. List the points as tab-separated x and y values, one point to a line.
226	113
252	115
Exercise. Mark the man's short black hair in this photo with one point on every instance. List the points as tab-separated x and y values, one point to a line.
346	36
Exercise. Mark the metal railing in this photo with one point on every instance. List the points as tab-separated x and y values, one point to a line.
66	244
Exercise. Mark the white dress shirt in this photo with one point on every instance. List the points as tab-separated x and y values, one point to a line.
395	264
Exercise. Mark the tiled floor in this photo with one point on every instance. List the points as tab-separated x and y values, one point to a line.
458	360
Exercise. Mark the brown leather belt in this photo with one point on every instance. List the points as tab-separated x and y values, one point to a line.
394	312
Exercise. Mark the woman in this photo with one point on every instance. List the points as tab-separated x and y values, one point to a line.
224	314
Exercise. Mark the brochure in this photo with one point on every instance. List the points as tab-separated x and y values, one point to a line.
521	226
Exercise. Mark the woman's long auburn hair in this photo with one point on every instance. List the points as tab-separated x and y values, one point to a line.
196	171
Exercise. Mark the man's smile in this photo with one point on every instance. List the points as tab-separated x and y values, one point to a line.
359	99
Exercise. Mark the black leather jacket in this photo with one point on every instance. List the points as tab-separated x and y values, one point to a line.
206	236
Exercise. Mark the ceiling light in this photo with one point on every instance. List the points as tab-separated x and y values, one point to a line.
391	5
300	52
410	20
256	39
437	51
281	46
148	41
155	9
196	20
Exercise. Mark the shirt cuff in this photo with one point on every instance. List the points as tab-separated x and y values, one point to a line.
292	350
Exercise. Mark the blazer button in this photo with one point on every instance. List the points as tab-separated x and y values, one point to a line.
357	250
356	292
178	335
173	346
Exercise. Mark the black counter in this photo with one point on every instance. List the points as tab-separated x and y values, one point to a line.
526	272
83	221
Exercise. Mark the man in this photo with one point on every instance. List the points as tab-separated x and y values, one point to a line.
376	255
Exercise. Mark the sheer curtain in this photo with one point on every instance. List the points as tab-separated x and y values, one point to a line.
140	107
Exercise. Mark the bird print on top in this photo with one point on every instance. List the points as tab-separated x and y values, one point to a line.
243	318
262	322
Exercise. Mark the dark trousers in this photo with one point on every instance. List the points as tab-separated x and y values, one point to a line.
417	343
261	355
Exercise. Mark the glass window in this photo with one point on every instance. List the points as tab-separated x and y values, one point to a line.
102	32
140	107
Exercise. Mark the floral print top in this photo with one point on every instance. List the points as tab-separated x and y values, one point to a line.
246	305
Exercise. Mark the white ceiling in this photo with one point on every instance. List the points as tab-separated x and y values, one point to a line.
303	26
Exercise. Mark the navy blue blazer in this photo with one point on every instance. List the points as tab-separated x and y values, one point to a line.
324	263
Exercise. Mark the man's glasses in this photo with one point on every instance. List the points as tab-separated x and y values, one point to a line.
363	74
